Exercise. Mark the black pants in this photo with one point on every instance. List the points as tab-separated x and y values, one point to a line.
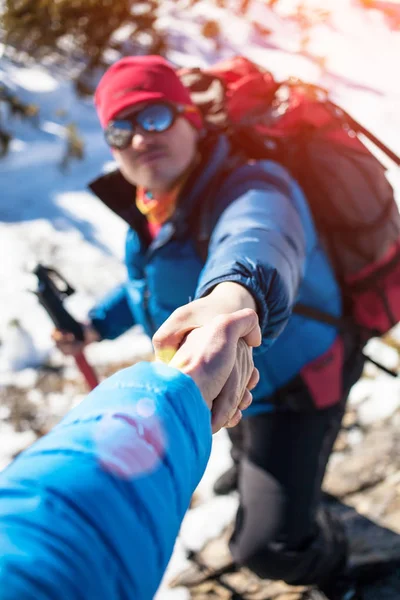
282	531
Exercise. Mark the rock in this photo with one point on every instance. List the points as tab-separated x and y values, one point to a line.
211	590
392	338
382	504
350	418
362	469
250	587
341	442
216	553
212	560
212	574
371	371
392	519
383	353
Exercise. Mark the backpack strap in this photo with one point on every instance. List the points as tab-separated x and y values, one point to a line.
346	118
206	217
340	323
316	314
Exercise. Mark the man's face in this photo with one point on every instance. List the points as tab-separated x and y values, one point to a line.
156	161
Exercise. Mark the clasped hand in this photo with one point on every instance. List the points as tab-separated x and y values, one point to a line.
216	354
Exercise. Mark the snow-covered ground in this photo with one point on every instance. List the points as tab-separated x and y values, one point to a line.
47	214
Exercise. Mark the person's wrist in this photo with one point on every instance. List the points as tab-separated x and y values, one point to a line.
232	296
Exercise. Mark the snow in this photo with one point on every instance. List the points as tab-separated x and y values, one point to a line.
383	400
35	79
48	215
205	522
14	442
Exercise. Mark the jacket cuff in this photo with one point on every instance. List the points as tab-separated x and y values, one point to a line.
252	285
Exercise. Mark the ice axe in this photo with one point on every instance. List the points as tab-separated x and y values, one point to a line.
51	291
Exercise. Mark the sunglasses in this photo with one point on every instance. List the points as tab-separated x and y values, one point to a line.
154	118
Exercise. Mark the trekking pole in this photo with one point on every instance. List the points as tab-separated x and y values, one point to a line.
51	291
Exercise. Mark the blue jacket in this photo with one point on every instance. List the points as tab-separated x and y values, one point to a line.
263	237
92	510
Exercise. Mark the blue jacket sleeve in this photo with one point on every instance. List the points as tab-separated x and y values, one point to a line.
111	317
259	242
92	509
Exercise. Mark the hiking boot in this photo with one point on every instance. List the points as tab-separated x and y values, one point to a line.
227	482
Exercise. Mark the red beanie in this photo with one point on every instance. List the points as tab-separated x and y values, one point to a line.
135	79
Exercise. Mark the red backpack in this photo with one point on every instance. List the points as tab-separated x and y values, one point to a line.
345	185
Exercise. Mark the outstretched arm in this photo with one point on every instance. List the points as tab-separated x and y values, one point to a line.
258	247
256	260
94	507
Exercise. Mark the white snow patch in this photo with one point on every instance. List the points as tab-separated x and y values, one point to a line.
35	79
383	402
13	442
207	521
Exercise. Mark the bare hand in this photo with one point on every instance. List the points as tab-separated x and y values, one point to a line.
227	297
68	344
218	357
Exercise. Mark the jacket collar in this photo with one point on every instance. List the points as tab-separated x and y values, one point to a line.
118	194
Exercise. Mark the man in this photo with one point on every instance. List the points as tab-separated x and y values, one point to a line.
92	510
176	182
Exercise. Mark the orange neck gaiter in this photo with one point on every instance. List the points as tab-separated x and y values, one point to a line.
160	208
157	209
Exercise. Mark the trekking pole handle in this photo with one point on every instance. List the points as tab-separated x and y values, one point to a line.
51	298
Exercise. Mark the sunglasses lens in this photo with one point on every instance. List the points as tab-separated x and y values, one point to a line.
156	117
119	134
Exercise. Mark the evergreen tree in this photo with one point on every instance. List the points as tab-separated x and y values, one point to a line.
72	28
